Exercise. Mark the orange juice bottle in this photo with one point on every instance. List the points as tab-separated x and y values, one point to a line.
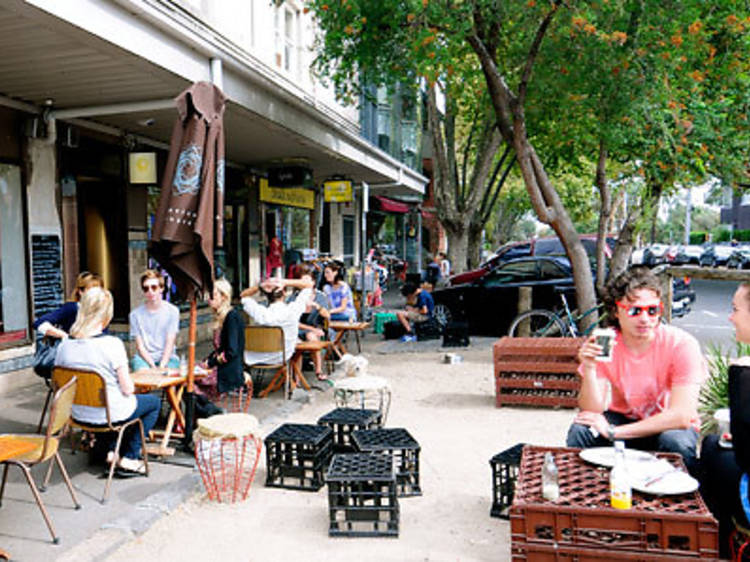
621	494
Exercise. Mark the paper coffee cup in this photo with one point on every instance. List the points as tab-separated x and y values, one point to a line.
605	337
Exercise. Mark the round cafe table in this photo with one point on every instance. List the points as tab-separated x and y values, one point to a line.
366	391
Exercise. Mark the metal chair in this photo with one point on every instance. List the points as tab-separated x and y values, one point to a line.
46	447
268	339
92	392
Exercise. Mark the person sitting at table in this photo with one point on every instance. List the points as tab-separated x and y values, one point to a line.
225	361
654	375
278	313
339	294
57	323
89	348
722	468
154	326
419	308
312	321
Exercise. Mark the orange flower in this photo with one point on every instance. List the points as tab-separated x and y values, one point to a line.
697	75
363	20
324	7
672	105
676	40
619	37
732	19
589	28
531	3
410	17
348	30
578	21
695	27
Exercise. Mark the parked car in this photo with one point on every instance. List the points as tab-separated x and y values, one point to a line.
549	246
682	291
688	254
489	304
714	256
636	256
740	258
655	254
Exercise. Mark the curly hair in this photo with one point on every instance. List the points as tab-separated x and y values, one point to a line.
624	285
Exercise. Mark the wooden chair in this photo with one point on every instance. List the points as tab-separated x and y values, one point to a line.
268	339
92	392
45	448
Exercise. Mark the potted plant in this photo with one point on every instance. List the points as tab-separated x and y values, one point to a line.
714	393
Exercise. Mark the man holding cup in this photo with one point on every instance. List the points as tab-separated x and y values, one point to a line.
654	372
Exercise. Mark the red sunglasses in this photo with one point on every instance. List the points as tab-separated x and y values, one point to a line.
632	311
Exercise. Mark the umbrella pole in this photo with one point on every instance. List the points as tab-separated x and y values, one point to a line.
189	395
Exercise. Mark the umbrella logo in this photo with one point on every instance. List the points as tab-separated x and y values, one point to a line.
187	175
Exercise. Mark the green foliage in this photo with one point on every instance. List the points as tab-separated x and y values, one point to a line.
742	235
698	237
714	393
721	234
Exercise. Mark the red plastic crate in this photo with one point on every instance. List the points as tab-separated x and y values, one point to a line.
537	371
582	522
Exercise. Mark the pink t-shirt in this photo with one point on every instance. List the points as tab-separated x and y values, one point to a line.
641	384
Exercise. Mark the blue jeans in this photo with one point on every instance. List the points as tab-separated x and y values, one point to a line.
343	316
139	362
147	408
682	441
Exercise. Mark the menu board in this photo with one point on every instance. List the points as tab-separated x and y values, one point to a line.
46	259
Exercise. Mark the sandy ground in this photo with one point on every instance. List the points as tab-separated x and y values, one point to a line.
449	409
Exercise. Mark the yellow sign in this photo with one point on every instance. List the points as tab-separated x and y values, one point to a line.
338	191
290	196
142	167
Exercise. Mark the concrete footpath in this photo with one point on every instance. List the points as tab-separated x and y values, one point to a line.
449	409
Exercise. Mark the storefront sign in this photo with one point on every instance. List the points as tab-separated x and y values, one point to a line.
339	191
290	176
143	167
290	196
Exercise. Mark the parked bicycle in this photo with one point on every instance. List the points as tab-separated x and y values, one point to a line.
541	323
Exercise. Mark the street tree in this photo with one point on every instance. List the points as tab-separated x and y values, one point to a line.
517	45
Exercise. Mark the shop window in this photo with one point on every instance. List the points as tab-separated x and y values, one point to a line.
300	228
348	232
286	34
14	312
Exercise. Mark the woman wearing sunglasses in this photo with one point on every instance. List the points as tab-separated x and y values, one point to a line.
654	375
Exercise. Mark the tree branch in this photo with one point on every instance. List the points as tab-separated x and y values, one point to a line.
498	188
534	51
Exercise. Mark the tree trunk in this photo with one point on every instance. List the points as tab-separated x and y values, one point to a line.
458	245
474	247
605	196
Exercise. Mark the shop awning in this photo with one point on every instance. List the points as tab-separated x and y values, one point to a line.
380	203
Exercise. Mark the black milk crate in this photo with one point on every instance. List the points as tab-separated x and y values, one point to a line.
343	421
362	499
402	447
296	456
504	475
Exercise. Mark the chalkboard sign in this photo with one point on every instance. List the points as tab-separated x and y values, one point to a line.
46	259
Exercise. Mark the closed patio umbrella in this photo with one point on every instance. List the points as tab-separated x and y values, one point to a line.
188	222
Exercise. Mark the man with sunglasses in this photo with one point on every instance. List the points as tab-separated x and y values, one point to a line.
654	376
154	326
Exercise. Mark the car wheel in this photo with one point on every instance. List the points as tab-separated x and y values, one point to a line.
442	314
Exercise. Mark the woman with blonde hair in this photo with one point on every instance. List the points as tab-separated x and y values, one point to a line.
229	342
57	323
89	348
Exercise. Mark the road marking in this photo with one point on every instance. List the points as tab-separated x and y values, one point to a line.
704	327
709	313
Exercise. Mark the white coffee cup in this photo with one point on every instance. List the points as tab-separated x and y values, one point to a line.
605	337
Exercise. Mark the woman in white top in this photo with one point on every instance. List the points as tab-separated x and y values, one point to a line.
90	349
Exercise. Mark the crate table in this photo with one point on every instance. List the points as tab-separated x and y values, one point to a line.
296	456
404	449
505	467
362	500
581	525
343	421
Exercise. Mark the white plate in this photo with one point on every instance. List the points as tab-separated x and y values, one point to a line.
605	456
676	482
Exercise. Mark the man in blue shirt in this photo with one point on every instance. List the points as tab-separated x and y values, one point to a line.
419	307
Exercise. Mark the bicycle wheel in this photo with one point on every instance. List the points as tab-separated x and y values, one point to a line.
537	324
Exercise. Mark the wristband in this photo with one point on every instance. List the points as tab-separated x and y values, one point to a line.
611	432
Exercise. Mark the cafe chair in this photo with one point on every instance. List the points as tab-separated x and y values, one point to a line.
46	448
92	393
268	339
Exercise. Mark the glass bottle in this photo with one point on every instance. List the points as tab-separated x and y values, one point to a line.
550	481
621	494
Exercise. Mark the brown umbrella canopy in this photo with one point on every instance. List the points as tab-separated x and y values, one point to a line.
189	220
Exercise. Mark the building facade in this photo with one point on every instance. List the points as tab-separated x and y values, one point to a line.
86	98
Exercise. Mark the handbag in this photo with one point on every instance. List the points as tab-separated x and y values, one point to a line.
44	356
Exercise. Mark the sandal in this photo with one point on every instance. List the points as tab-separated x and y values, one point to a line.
321	376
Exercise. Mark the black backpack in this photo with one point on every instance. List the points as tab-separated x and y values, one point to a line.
393	330
430	329
456	334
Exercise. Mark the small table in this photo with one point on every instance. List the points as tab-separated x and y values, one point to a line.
174	384
581	523
343	328
11	446
368	391
300	348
